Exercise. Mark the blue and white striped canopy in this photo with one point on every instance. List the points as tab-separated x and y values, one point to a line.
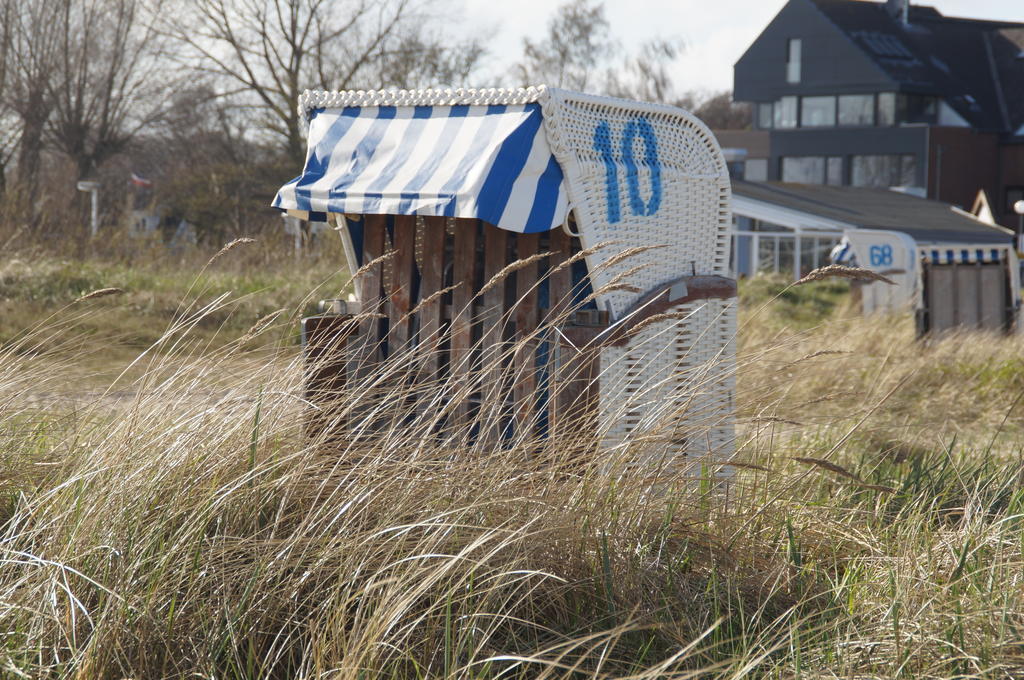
965	255
487	162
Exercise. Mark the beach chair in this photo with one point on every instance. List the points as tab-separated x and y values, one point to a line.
559	257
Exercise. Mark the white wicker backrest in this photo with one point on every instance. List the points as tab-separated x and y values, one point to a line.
644	175
651	175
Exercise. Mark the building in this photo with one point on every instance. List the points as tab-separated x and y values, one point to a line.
780	224
951	268
873	94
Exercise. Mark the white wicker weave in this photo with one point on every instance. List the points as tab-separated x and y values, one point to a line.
674	380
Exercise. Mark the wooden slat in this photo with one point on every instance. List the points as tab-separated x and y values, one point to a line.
369	291
463	269
560	281
559	285
324	356
495	254
324	337
403	266
493	320
967	295
431	281
941	296
526	286
575	402
992	297
526	318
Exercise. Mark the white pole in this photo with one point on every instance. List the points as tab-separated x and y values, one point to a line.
778	247
735	255
1018	208
796	255
755	253
94	221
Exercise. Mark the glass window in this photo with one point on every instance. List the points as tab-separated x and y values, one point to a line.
785	112
887	108
793	49
834	171
817	111
915	108
908	170
887	170
856	109
872	171
803	169
756	170
735	168
764	116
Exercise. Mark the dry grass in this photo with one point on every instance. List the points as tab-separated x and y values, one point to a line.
231	245
100	292
841	271
872	526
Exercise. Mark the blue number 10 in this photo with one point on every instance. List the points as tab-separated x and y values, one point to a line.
603	145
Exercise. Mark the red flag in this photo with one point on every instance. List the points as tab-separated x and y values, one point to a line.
141	182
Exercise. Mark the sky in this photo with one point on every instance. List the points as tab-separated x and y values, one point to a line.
715	32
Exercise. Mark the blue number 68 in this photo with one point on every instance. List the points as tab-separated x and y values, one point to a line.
881	256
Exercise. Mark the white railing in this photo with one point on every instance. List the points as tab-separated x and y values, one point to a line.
794	252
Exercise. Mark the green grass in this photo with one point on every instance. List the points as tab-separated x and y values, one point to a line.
44	290
788	306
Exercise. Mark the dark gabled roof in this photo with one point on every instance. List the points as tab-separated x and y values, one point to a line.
923	219
972	64
1008	54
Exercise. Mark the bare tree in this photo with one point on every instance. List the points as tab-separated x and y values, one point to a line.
26	92
644	76
717	110
579	52
577	43
267	52
107	84
8	122
207	170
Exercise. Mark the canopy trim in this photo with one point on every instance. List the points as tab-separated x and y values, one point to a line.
311	100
